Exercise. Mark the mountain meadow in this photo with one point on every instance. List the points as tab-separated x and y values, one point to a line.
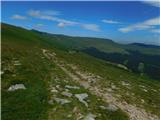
57	77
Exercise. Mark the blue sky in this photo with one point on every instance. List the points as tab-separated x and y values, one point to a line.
124	22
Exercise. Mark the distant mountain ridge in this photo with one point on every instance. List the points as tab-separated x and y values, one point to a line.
137	44
145	45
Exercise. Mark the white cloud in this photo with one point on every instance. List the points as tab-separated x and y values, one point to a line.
92	27
110	21
51	12
61	25
154	21
42	15
18	17
34	13
155	30
39	25
155	3
62	22
45	12
148	24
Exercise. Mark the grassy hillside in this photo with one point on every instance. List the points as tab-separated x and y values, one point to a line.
105	45
130	56
46	67
39	75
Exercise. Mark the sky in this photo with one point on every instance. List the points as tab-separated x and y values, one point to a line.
123	22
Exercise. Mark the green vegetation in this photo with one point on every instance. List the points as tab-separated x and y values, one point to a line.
110	51
41	75
134	93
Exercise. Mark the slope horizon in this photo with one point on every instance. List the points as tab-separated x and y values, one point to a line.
109	20
122	43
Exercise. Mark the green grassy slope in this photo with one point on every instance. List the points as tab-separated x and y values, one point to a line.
131	55
112	74
20	45
38	73
105	45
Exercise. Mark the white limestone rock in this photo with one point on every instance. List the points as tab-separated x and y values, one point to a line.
16	87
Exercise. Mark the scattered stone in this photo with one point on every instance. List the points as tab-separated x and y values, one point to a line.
14	75
50	102
58	86
145	90
62	101
16	87
75	109
66	90
154	90
53	90
125	84
53	53
113	86
85	84
142	86
90	116
72	66
102	107
127	93
67	94
79	116
118	96
71	52
109	89
70	115
2	72
99	114
111	107
16	63
142	100
65	81
54	109
72	87
122	66
81	98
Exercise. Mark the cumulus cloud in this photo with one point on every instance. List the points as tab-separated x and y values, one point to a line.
39	25
155	30
110	21
92	27
51	12
42	15
61	25
62	22
153	3
148	24
34	13
18	17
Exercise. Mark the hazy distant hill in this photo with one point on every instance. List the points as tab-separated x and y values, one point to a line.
131	55
145	45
